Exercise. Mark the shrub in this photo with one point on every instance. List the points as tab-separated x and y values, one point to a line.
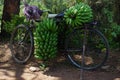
15	21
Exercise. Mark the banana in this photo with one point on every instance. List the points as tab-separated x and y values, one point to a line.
46	39
78	14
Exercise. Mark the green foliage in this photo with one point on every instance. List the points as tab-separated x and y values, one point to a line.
1	2
111	28
57	6
78	14
79	1
104	11
46	40
113	36
15	21
1	10
116	30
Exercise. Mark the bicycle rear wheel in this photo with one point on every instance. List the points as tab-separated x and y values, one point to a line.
87	51
21	44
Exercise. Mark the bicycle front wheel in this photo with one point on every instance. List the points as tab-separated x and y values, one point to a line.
21	44
87	48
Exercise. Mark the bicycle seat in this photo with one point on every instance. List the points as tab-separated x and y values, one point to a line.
52	15
60	15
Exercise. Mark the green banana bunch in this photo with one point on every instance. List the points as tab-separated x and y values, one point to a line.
78	14
46	40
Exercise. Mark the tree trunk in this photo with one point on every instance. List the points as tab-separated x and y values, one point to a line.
10	8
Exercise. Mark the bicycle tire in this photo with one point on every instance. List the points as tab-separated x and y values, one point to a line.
96	46
21	44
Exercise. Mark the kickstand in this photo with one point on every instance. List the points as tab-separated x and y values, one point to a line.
81	74
82	70
83	58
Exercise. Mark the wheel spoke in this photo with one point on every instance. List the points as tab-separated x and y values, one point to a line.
94	52
21	44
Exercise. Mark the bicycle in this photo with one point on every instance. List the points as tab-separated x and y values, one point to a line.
85	45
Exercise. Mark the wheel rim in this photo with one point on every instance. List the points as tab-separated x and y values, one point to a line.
96	52
21	45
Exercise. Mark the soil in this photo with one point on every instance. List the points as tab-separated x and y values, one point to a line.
58	70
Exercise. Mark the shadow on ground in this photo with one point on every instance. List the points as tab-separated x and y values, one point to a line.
67	72
62	70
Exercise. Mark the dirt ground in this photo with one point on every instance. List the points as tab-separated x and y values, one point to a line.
59	70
